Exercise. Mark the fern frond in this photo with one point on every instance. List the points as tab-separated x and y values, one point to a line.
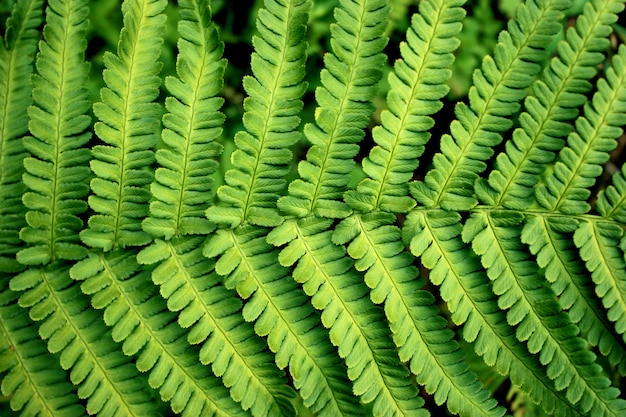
533	309
599	248
57	172
139	318
555	101
34	381
551	240
355	325
212	316
498	88
349	82
434	237
566	186
417	84
74	331
182	185
283	314
129	125
421	334
567	190
271	118
17	52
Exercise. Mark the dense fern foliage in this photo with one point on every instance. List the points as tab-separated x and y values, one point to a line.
326	231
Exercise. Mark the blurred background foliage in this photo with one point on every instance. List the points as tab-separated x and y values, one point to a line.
236	22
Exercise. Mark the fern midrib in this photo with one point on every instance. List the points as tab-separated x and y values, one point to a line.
530	306
164	350
270	110
538	211
217	324
434	356
87	346
355	323
485	322
336	123
452	174
24	364
270	301
561	89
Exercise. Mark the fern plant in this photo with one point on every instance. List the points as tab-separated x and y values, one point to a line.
411	260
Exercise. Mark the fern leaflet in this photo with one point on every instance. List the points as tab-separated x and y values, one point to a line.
182	185
57	171
17	51
129	120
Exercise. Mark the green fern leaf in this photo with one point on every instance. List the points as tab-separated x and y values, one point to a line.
417	85
139	318
354	323
104	376
283	314
349	82
17	51
434	236
182	185
129	122
599	248
556	97
419	331
551	240
34	381
498	87
271	118
533	309
566	185
57	171
212	316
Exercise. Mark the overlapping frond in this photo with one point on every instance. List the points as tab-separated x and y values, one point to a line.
139	319
271	118
567	185
349	81
129	126
212	315
17	52
434	237
282	312
57	171
599	245
34	380
566	191
499	86
182	186
356	326
551	240
417	84
533	309
74	331
554	101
